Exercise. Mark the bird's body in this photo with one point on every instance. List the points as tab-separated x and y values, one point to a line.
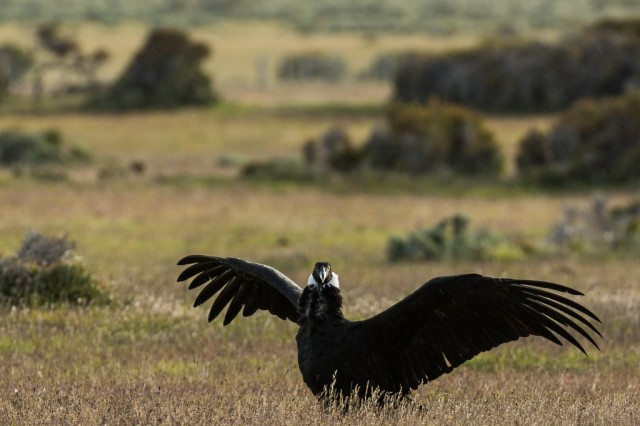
444	323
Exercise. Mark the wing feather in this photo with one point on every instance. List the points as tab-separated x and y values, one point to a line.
236	304
566	310
242	285
213	287
449	320
205	277
562	319
563	300
251	305
227	293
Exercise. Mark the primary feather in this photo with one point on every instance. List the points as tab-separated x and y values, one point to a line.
442	324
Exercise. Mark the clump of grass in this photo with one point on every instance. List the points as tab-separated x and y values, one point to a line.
599	227
44	272
450	238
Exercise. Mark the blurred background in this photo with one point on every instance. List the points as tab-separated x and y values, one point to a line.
397	140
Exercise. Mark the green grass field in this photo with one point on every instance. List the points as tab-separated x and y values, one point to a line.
149	358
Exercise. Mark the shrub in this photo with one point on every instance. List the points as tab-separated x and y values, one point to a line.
165	73
449	238
593	141
333	149
47	147
604	60
434	138
599	227
311	66
43	272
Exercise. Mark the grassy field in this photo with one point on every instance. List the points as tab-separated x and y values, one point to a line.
149	358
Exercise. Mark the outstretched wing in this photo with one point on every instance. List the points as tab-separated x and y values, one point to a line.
449	320
241	284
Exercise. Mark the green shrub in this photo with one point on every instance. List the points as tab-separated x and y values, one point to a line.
450	238
595	141
43	272
19	148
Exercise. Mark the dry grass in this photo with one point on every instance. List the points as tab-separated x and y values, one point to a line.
152	359
467	400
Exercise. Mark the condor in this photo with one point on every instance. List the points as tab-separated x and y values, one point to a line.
444	323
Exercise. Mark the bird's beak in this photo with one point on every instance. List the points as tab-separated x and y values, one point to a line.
323	273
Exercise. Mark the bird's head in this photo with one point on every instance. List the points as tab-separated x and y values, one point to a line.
322	275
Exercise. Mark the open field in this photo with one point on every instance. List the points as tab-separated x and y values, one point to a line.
149	358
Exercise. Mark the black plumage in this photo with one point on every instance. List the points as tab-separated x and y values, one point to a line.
444	323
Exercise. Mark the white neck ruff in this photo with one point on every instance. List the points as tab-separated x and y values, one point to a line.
334	281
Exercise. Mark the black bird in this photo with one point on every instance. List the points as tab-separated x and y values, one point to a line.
444	323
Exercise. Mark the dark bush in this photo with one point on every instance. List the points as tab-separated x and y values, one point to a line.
434	138
165	73
334	150
311	66
593	142
20	148
604	60
43	272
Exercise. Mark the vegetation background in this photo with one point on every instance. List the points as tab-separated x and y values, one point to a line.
160	184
